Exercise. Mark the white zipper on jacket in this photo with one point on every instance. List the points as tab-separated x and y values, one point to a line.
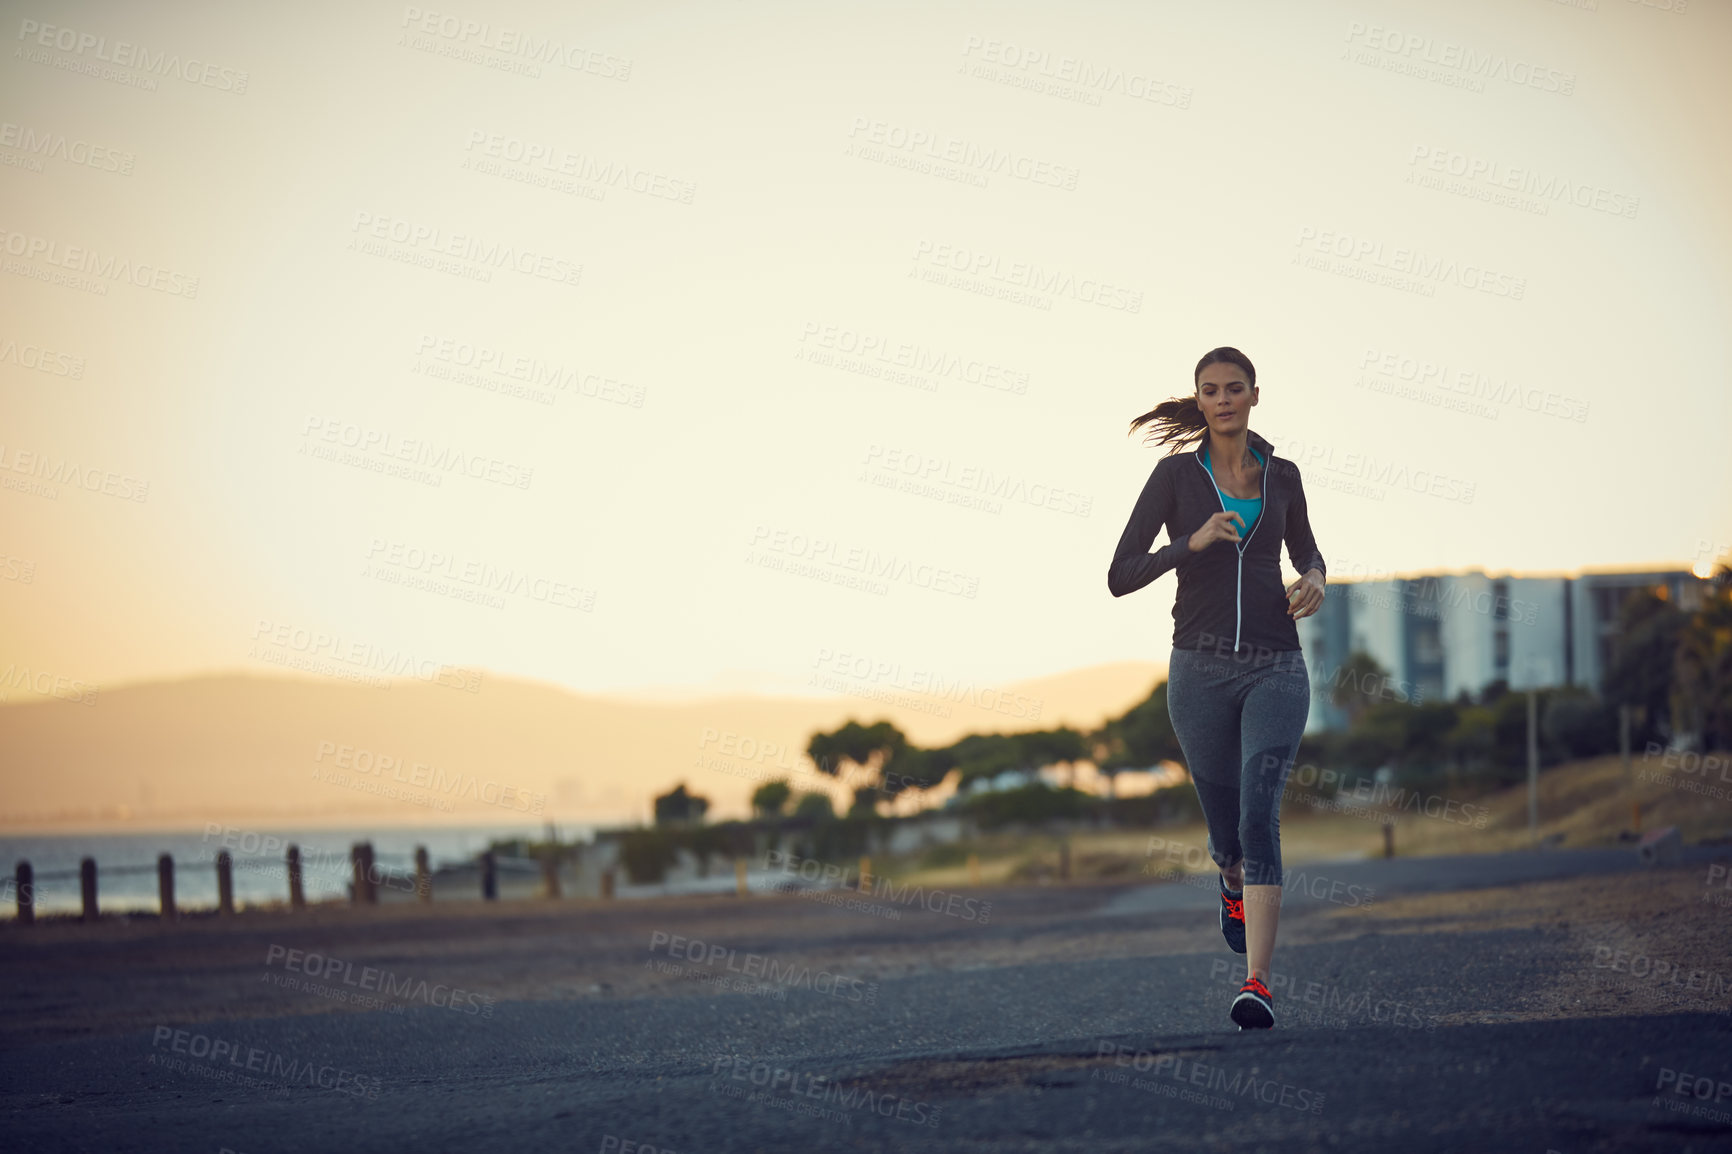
1239	577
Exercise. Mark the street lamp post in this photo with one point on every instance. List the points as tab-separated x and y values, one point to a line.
1533	770
1541	666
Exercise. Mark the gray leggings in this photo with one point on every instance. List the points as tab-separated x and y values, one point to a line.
1238	718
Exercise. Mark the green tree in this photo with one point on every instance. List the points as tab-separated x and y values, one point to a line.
986	755
910	767
1509	728
1702	670
1377	739
769	799
1644	659
1578	724
1359	684
1427	729
1471	741
1062	746
815	805
1031	804
1140	739
870	749
677	807
647	854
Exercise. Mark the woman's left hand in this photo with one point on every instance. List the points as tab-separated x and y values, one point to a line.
1305	595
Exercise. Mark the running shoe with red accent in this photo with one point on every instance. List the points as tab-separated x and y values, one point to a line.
1233	917
1254	1008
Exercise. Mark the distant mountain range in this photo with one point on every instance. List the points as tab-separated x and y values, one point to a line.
293	750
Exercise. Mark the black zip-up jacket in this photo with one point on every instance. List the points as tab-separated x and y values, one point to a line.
1228	590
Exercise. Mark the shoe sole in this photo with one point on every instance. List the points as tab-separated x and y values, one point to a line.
1251	1014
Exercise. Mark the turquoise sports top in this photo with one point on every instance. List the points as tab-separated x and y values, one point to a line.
1247	508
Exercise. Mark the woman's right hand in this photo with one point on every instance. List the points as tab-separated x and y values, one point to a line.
1219	527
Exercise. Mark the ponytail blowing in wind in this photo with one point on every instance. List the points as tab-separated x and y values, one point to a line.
1179	422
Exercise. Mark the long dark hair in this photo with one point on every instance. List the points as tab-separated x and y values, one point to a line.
1179	422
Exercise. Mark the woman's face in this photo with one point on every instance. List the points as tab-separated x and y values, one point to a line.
1225	396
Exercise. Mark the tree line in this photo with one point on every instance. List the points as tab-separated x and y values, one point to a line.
1671	666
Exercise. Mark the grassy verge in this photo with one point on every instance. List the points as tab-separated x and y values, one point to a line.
1581	804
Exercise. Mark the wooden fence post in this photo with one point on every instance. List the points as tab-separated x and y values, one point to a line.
361	860
357	875
25	879
550	874
225	882
87	887
489	877
297	894
423	875
369	873
165	886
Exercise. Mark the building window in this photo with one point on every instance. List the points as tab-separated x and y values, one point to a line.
1500	600
1500	650
1427	645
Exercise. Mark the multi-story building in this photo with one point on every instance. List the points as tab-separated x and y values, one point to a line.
1439	634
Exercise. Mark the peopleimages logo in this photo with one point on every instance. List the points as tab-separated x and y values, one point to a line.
1376	798
290	639
819	342
935	474
124	54
275	1067
1088	78
1389	473
765	967
1026	275
509	41
820	554
928	144
1437	375
73	474
466	787
554	160
103	266
1480	66
936	900
47	684
1410	265
40	358
860	667
1703	1087
47	144
1236	1083
492	254
1495	174
820	1088
386	446
528	369
478	574
371	978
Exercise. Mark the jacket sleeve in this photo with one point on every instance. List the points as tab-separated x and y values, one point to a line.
1133	565
1301	545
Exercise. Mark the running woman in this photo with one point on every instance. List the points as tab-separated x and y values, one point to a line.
1238	691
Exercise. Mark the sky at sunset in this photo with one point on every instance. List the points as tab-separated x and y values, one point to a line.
672	348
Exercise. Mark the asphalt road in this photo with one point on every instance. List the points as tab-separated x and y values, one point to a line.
1107	1054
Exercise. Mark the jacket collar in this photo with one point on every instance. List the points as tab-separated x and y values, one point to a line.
1252	438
